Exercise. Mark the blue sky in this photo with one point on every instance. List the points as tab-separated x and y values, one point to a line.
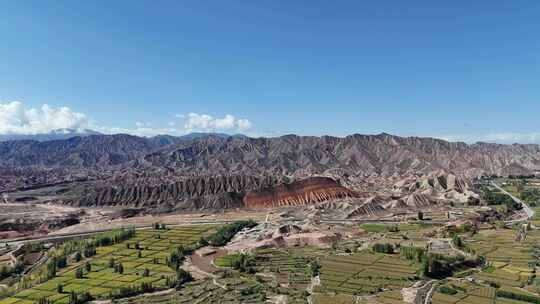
463	70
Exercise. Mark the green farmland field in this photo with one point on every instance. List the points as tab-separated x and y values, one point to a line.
154	246
365	273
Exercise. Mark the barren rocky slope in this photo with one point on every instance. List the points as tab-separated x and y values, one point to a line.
304	192
216	171
290	154
209	192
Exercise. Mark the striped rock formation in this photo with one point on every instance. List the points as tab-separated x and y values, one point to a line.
304	192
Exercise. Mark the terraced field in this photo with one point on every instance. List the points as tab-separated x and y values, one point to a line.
288	265
230	290
402	227
511	269
468	293
511	260
365	273
387	297
536	217
143	258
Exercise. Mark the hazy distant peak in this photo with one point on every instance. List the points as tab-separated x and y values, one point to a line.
57	134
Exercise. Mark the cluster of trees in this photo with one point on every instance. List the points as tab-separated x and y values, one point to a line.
383	248
412	253
170	282
440	266
89	251
458	242
495	197
177	256
243	262
518	296
159	226
33	247
55	263
447	290
113	237
521	176
392	228
530	196
88	246
182	277
433	265
129	291
75	298
79	273
119	268
137	246
314	268
499	198
6	270
224	234
43	301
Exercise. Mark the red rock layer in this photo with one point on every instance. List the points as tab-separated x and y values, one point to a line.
308	191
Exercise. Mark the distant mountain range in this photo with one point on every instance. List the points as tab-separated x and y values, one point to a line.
208	153
57	134
60	134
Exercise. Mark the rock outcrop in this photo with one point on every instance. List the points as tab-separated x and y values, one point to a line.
371	206
304	192
215	192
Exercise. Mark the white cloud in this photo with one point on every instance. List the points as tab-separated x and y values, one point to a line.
191	122
208	123
16	118
502	137
244	124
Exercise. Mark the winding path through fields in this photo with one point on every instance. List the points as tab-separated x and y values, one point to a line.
529	213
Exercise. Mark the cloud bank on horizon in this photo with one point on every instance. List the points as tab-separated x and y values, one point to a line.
503	138
15	118
18	119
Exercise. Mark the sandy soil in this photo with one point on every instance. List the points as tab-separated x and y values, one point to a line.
170	219
42	211
205	263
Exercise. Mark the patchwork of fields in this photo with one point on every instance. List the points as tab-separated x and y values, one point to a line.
227	290
386	297
289	266
352	270
366	272
510	270
511	260
468	293
143	258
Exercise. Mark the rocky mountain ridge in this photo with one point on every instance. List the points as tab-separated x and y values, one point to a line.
217	171
381	154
